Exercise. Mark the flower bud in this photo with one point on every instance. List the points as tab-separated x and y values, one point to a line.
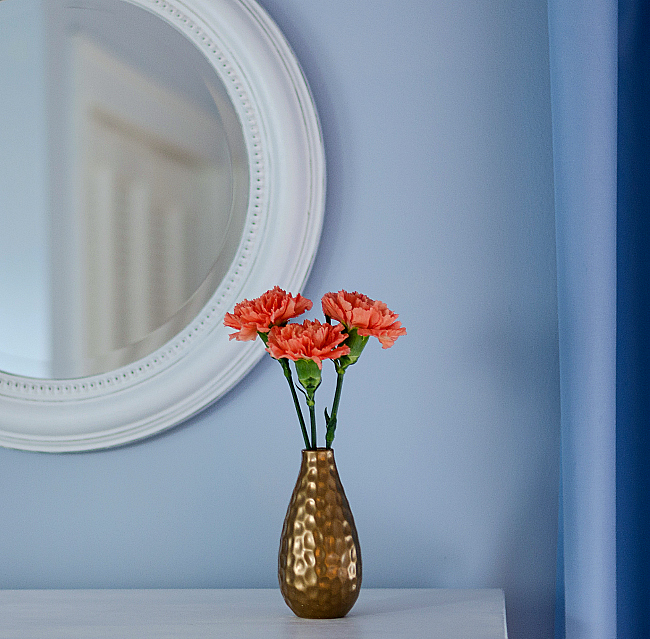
309	375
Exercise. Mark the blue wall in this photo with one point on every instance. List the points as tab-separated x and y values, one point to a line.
436	119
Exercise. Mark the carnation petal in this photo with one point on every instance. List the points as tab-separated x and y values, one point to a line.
309	340
273	308
370	317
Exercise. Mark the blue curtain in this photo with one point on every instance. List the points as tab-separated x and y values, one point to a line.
583	58
600	86
633	322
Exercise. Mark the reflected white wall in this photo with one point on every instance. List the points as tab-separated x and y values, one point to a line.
24	271
41	246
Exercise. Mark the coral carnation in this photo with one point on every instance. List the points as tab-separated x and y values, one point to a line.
369	317
309	340
274	308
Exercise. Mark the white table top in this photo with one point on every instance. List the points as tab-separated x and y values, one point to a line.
247	614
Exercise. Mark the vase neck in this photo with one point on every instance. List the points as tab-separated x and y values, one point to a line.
318	456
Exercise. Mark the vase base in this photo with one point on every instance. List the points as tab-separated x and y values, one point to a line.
307	607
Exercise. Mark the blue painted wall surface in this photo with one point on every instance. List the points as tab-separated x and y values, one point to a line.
436	120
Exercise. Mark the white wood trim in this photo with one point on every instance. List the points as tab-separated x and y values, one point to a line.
281	233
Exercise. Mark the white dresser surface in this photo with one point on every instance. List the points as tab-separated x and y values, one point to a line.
247	614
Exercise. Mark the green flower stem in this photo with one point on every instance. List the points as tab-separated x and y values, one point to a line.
287	373
309	377
312	415
331	421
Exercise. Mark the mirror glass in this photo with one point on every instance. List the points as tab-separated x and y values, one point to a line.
124	185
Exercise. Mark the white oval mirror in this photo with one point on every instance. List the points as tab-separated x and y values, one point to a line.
166	162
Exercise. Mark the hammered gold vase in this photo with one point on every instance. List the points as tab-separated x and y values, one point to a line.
319	564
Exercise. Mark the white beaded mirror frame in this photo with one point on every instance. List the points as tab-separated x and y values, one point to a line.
281	233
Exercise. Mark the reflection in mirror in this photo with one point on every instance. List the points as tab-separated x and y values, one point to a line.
124	181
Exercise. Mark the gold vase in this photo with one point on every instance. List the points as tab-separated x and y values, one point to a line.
319	564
